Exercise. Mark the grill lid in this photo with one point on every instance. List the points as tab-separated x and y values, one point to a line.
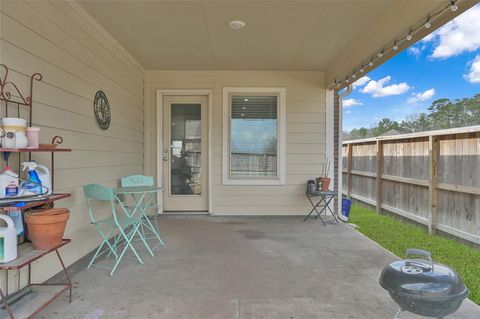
421	277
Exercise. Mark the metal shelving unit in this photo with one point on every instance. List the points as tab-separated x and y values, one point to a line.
37	296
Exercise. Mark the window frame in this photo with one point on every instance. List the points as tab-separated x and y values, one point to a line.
281	128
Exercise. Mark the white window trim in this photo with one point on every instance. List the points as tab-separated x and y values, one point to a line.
280	179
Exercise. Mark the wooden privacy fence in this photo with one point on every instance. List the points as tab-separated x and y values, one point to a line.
431	177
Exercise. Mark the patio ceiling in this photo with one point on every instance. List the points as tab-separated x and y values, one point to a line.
334	36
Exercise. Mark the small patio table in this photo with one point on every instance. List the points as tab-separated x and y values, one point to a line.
141	195
324	199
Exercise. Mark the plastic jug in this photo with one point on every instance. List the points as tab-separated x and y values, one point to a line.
33	184
39	180
46	179
8	241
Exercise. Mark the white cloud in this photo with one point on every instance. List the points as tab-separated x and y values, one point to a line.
379	88
361	82
459	35
422	96
348	112
473	75
351	102
415	51
429	37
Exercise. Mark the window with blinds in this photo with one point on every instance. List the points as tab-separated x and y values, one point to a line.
253	141
253	136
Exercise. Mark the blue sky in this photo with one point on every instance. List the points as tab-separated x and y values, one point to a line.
445	64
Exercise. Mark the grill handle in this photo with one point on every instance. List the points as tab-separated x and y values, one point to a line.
419	262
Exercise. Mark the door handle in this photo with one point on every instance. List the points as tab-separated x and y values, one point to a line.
165	154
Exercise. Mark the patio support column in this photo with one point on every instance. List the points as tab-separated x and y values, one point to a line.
330	141
338	129
337	142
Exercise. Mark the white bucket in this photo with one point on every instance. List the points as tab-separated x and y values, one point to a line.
14	132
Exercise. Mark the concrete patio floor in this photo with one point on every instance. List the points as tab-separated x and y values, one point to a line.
243	267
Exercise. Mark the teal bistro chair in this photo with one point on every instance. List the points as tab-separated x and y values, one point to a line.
117	230
146	203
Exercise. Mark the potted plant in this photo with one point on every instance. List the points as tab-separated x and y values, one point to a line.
324	181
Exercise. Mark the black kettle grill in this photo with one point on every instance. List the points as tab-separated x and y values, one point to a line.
423	287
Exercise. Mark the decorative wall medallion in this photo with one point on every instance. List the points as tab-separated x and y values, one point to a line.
102	110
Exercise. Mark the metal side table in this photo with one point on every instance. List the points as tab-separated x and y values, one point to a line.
320	200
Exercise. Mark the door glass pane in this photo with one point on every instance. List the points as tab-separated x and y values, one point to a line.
186	141
253	136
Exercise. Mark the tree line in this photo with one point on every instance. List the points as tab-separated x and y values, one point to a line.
442	114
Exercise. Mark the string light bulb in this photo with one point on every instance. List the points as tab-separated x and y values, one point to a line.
347	80
409	37
427	24
395	46
453	6
354	76
380	54
362	70
370	63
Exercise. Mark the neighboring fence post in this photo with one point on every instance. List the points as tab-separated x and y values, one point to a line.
379	171
432	188
349	169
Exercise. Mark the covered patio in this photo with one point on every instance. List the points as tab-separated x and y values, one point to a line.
243	267
174	78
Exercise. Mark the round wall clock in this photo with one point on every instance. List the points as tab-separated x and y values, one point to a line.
102	110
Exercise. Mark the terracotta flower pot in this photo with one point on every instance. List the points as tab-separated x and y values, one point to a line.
46	227
325	183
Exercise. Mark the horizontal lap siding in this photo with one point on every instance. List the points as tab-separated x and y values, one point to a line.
76	58
305	135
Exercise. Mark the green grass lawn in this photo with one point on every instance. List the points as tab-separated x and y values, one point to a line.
397	236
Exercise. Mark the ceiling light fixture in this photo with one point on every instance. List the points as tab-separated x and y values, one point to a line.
236	24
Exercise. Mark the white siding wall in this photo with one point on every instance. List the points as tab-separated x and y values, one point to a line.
305	135
76	58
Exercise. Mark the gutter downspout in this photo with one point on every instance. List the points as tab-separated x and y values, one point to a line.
340	140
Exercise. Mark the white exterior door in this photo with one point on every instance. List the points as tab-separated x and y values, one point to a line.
184	154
